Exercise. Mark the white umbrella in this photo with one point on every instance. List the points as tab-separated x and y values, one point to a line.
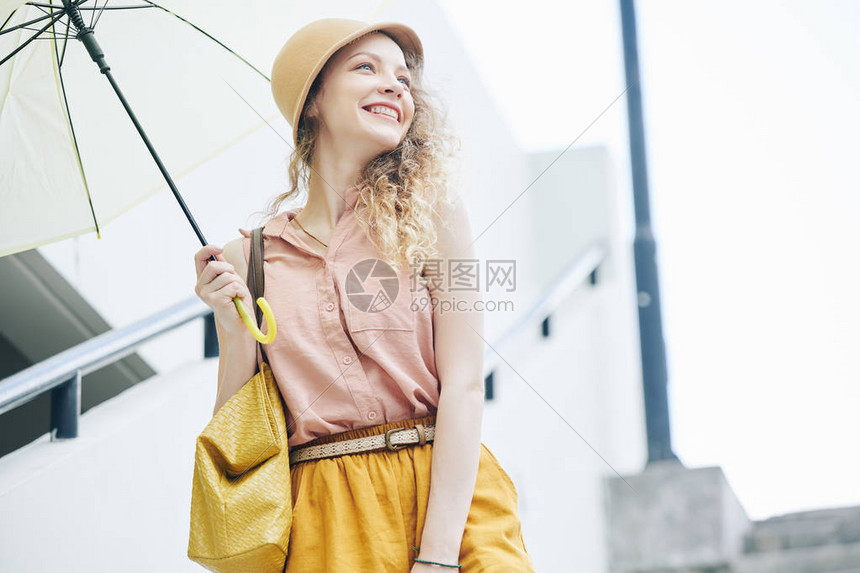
73	154
70	159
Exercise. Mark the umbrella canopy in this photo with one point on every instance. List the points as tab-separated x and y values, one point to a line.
70	158
70	161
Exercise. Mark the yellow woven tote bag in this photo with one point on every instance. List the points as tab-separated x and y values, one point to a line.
241	497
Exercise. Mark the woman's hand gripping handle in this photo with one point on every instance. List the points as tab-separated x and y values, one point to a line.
223	290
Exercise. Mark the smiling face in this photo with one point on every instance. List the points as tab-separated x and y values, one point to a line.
364	101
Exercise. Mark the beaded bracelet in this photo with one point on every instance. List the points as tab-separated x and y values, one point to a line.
434	562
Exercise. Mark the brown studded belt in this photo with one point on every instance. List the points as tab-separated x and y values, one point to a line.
392	440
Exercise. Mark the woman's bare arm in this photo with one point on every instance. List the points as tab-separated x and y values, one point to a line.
237	360
459	343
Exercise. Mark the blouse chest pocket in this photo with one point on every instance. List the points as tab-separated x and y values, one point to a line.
377	298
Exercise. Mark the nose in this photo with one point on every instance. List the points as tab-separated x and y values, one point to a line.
393	86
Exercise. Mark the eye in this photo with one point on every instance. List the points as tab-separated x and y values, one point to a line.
407	82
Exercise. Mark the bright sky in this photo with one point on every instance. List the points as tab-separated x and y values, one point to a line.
752	127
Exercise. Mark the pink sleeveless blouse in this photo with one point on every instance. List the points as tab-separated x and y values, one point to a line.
354	346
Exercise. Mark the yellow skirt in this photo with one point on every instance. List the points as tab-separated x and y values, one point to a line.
364	512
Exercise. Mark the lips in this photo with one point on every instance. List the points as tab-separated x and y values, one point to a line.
383	104
388	117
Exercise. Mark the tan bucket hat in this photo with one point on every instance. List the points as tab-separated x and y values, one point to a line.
303	56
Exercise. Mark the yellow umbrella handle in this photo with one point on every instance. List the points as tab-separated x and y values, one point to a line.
250	321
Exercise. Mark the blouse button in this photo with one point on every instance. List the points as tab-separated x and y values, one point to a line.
371	415
329	306
347	359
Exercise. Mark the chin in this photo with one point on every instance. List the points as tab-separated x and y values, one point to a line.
386	144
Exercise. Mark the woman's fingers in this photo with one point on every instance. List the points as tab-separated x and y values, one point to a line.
201	257
218	284
228	292
219	281
213	269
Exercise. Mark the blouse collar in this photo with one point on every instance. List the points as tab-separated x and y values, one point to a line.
279	226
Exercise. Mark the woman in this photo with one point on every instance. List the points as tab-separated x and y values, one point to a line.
382	380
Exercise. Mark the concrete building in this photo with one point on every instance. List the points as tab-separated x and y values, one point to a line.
564	411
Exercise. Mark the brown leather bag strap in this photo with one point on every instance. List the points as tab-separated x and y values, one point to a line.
257	283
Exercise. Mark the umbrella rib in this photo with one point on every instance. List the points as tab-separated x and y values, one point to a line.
106	7
55	6
91	8
65	43
95	17
199	29
25	44
4	30
7	20
48	36
40	5
68	113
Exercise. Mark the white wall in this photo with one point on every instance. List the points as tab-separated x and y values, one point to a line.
568	411
101	491
143	263
121	492
117	497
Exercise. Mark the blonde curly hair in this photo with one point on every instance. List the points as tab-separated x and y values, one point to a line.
401	192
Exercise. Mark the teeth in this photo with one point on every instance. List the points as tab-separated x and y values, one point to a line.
383	110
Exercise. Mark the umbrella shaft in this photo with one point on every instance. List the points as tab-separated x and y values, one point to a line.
87	36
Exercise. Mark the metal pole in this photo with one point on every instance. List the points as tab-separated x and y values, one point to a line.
210	337
66	409
88	38
654	376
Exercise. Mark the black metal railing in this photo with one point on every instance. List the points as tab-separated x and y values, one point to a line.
61	374
585	266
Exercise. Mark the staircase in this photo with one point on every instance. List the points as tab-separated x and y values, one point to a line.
688	520
818	541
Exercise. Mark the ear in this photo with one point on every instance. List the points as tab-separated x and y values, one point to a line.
311	110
